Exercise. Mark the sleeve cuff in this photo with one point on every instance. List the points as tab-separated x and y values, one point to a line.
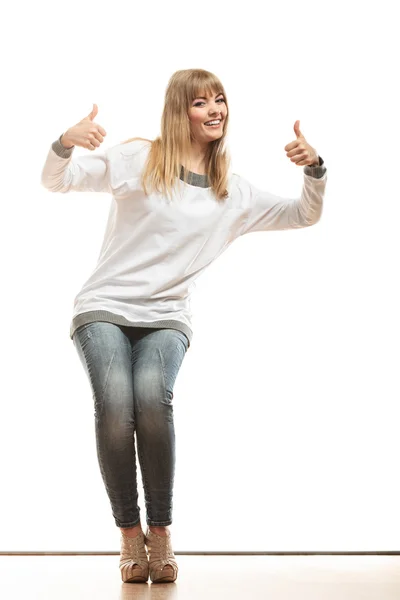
316	171
60	150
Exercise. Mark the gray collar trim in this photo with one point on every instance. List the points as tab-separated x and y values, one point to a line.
196	179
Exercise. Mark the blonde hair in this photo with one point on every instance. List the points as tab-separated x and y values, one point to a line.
172	147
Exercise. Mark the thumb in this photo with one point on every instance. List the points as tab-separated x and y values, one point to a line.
92	114
297	129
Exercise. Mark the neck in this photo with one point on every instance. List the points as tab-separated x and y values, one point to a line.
196	162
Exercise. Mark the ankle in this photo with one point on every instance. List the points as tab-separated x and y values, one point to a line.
132	531
159	530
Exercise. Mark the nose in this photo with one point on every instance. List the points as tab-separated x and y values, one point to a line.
216	111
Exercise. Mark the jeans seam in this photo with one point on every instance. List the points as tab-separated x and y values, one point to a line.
107	377
163	371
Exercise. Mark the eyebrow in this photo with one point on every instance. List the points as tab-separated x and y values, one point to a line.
202	97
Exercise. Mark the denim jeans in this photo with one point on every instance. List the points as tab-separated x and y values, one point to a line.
132	372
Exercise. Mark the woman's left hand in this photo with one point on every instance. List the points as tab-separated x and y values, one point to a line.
299	151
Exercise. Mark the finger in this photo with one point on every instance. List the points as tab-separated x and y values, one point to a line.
102	131
297	155
94	112
300	157
297	150
97	135
93	140
297	129
292	145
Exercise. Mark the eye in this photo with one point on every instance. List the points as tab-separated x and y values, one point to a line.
219	100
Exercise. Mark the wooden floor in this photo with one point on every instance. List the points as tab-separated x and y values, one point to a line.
205	578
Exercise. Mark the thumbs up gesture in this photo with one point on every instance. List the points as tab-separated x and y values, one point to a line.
299	151
86	133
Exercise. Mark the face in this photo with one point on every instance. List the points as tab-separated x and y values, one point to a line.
204	110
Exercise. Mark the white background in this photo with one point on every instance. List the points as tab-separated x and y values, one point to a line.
287	403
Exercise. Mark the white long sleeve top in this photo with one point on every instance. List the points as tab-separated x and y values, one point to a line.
153	249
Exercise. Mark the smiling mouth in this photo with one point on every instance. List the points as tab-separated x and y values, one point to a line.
213	126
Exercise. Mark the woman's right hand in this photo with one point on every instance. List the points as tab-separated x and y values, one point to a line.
85	134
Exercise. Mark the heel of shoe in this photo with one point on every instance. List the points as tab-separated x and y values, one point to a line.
133	564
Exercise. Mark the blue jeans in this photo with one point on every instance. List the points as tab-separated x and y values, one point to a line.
132	372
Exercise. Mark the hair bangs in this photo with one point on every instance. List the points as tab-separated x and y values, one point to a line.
202	84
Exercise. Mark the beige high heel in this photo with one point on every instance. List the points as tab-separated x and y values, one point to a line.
133	564
162	560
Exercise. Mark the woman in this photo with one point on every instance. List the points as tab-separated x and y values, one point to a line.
175	208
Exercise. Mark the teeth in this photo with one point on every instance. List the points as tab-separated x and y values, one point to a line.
213	122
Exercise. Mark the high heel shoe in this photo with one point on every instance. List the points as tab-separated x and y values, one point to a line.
133	564
162	561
